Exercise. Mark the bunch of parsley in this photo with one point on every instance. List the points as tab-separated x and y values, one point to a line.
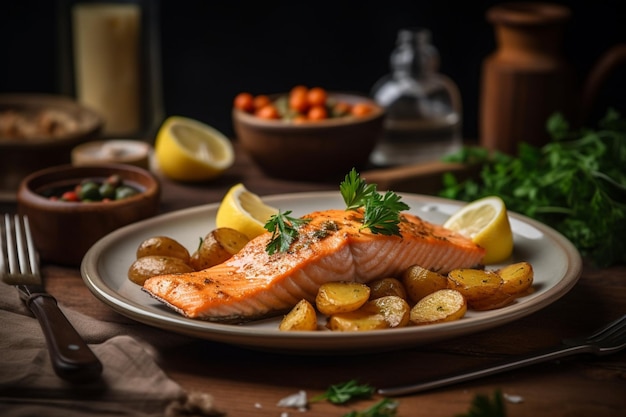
576	184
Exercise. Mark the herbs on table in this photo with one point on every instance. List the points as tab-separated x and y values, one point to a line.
351	390
346	391
575	184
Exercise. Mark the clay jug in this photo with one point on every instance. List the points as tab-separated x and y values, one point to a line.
527	79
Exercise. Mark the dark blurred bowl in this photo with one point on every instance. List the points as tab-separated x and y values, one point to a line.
320	150
64	231
38	131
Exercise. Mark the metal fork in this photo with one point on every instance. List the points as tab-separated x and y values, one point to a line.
609	339
71	357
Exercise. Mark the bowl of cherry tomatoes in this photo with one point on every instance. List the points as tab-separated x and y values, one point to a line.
307	133
71	207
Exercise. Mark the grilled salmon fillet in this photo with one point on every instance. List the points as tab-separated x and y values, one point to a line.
332	246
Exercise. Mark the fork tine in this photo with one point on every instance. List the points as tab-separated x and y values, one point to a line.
616	327
10	245
19	260
28	257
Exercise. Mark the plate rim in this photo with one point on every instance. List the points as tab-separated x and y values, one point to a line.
323	341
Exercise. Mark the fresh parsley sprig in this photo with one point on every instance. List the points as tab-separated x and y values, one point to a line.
381	212
576	184
284	230
355	191
384	408
345	391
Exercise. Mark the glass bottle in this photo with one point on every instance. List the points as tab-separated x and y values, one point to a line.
423	120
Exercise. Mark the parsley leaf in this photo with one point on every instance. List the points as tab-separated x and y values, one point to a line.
384	408
483	406
576	184
284	230
382	212
355	191
345	391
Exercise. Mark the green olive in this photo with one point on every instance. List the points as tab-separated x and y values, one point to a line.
124	191
89	191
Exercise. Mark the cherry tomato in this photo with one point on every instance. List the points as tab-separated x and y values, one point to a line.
361	109
244	101
317	113
70	196
299	89
298	102
341	108
268	112
316	96
261	101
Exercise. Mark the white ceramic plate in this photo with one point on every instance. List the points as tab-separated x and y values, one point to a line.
556	263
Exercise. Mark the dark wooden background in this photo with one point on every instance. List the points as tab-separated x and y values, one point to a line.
213	50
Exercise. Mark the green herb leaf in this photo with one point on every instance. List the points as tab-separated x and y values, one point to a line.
483	406
355	190
284	230
345	391
384	408
382	212
576	184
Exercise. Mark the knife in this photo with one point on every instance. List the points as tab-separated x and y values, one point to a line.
71	357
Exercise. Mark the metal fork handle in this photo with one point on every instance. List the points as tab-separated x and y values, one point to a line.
479	372
71	358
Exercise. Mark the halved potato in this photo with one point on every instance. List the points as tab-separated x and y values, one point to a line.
438	307
387	286
358	320
217	247
153	265
301	317
517	278
341	297
419	282
162	246
394	309
474	284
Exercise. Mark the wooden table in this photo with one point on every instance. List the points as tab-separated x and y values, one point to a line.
250	383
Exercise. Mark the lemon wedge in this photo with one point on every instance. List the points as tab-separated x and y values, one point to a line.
486	222
188	150
244	211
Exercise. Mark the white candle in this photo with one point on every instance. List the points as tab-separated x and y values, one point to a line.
107	63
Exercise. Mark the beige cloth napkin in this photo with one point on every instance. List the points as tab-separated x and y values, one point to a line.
132	383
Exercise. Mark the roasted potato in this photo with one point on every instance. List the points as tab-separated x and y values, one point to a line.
217	247
341	297
302	317
474	284
386	286
162	246
419	282
482	289
394	309
357	320
439	306
152	265
517	278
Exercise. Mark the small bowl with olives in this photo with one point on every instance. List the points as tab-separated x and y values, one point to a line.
71	207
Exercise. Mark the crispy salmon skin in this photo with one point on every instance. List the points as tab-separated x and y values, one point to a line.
332	246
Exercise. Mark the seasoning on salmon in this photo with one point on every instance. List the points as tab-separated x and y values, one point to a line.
332	246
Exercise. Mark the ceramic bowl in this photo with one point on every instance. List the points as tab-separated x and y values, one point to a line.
321	150
38	131
64	231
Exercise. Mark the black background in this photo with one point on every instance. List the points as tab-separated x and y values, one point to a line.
213	50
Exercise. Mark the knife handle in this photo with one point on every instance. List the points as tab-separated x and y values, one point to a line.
71	358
